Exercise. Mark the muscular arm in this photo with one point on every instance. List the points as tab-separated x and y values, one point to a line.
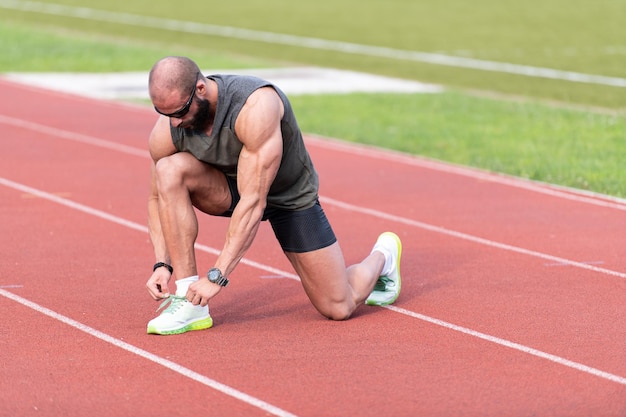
160	145
154	224
258	127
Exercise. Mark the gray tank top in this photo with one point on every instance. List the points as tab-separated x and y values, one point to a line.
296	184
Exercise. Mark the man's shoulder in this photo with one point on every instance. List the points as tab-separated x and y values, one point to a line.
160	143
239	84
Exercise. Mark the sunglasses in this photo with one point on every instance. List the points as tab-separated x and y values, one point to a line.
178	114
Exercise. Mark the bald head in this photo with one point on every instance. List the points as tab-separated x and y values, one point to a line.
172	76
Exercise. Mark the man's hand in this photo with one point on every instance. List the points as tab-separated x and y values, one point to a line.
201	291
157	284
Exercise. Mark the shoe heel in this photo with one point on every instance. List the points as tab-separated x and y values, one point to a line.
201	324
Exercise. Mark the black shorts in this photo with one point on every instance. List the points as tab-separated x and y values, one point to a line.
296	230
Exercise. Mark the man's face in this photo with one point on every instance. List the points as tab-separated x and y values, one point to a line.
199	119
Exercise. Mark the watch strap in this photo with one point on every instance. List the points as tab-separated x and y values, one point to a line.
162	264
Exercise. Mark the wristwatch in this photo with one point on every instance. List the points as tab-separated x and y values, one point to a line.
215	276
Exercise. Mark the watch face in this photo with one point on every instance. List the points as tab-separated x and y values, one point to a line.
214	275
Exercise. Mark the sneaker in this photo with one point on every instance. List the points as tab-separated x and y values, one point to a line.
387	288
179	317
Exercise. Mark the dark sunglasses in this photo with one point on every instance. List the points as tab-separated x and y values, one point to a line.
185	109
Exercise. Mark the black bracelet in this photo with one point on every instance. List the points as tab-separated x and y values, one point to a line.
160	264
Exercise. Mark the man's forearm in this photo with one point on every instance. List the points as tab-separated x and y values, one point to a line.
156	234
242	229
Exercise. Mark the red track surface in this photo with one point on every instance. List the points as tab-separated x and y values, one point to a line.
513	302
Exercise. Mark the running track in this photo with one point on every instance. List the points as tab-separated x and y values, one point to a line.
513	302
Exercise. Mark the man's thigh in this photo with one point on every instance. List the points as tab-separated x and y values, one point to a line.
324	277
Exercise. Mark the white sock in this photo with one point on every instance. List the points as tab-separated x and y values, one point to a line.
182	285
388	267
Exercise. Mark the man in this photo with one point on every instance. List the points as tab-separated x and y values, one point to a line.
230	146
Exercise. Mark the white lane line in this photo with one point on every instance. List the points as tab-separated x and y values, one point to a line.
502	342
471	238
307	42
126	223
135	226
73	136
584	262
364	150
186	372
327	200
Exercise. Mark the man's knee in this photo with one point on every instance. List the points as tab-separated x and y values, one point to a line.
174	171
168	170
337	311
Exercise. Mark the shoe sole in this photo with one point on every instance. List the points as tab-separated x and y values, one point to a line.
202	324
399	282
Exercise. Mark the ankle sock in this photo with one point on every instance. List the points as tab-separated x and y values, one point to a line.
182	285
388	267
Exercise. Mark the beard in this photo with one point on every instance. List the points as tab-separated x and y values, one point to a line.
200	121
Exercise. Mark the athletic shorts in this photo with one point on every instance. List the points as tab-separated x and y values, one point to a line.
297	231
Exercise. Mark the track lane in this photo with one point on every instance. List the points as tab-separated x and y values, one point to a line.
72	373
241	314
473	206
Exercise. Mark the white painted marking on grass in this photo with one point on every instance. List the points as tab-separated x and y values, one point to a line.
502	342
135	226
186	372
307	42
292	81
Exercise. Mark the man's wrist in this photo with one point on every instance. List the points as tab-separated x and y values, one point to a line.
164	265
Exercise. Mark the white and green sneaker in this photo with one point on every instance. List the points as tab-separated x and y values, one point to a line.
387	288
179	317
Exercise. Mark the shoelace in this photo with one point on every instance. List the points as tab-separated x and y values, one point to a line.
174	301
381	284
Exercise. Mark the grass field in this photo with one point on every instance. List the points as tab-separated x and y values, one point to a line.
547	129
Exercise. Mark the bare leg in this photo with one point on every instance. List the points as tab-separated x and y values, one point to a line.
184	182
334	290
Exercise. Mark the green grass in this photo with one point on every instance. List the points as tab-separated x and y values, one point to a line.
536	135
572	35
51	49
574	148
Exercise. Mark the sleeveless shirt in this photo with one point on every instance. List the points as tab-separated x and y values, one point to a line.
296	184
